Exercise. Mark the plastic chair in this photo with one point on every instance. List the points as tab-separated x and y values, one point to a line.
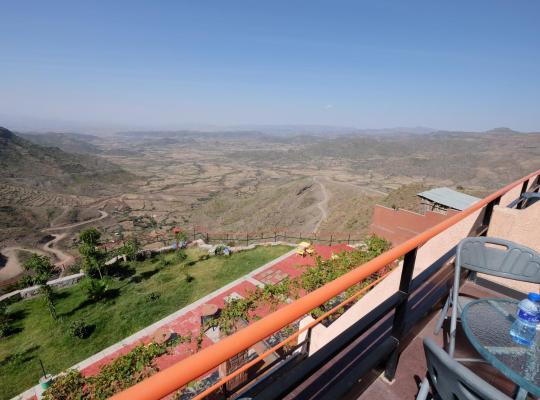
491	256
450	380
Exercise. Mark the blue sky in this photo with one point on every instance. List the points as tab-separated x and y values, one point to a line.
369	64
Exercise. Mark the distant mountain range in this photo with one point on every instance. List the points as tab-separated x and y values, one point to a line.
69	142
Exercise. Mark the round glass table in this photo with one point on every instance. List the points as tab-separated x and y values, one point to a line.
486	323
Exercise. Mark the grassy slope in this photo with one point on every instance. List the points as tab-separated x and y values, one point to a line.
115	318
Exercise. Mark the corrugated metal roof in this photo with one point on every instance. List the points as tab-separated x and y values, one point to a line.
449	198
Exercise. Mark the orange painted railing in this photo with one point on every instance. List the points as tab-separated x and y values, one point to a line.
289	339
187	370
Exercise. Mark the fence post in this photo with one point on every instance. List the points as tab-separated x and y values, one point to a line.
193	232
247	239
331	238
398	325
275	237
207	238
349	239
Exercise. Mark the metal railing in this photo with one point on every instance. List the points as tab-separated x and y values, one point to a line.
187	370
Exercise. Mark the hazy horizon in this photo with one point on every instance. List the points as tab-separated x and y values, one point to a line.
30	125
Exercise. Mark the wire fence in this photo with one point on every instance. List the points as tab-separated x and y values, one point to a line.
246	238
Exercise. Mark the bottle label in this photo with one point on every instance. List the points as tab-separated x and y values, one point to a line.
525	316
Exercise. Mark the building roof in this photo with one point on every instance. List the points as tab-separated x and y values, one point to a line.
449	198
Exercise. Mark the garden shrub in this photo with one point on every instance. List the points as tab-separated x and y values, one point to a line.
78	329
114	377
154	296
219	250
69	386
95	289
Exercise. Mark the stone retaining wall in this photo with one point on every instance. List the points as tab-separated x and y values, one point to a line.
32	291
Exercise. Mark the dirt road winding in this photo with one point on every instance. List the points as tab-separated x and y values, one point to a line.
14	267
323	204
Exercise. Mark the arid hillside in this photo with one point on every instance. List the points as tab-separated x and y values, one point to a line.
45	185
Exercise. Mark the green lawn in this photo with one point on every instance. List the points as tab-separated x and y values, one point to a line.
127	310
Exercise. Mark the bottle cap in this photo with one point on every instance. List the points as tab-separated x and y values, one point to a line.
534	296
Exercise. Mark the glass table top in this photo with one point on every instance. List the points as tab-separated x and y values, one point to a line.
486	323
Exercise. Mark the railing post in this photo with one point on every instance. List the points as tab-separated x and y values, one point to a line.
519	205
487	214
307	342
398	326
524	186
537	184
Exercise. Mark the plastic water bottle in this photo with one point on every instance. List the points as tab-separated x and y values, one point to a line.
523	329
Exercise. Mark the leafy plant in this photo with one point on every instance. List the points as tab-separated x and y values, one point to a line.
152	297
69	386
233	312
180	237
95	289
90	236
131	248
93	258
219	250
120	374
42	270
78	329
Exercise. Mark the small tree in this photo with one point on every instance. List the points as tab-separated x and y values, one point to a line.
93	256
179	236
95	289
131	248
90	236
42	271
